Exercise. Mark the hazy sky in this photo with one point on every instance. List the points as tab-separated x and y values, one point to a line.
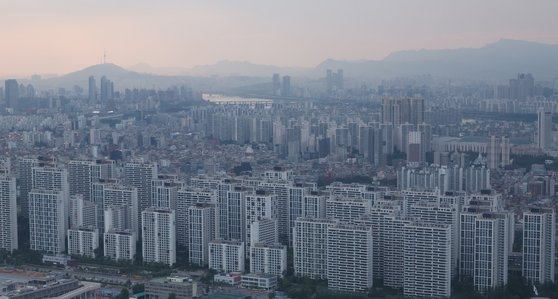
59	36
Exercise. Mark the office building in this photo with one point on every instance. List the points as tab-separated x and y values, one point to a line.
349	257
158	236
11	89
92	91
107	90
180	287
8	214
544	129
539	249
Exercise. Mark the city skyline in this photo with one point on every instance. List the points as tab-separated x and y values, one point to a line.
60	37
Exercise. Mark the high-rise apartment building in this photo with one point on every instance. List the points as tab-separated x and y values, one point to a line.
441	214
158	236
120	244
164	191
347	209
82	175
185	198
393	241
259	205
427	260
140	175
226	256
83	241
8	213
268	258
83	213
310	247
47	220
201	222
539	249
111	194
349	257
484	247
405	110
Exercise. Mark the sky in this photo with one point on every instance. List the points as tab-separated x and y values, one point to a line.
61	36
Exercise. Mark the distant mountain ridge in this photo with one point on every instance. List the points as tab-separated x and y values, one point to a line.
499	60
496	61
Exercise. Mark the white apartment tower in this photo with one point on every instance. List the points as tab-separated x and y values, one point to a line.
443	214
264	231
120	244
310	247
158	236
427	260
539	234
484	247
82	174
187	197
47	221
140	175
393	241
347	209
111	194
314	205
226	256
201	231
83	213
164	192
268	258
83	241
259	205
8	213
349	257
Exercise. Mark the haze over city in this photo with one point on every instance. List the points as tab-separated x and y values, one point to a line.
58	37
278	149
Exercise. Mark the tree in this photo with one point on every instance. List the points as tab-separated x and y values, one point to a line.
138	288
124	294
172	296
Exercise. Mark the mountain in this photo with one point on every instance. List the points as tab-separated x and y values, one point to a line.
244	68
123	78
499	60
496	61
